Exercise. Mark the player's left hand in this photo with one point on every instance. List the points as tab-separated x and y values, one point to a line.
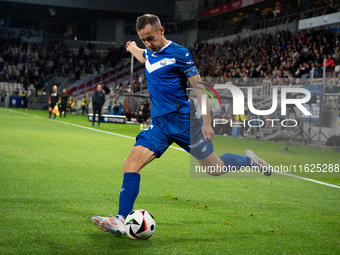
130	45
208	132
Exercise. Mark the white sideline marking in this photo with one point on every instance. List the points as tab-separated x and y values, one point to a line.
311	180
180	149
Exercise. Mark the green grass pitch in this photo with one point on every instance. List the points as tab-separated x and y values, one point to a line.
54	177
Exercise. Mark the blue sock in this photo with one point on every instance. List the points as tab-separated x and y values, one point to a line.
128	193
233	161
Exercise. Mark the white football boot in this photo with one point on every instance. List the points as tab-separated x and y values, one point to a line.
262	165
110	224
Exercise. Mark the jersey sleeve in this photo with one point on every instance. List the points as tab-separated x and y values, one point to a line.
185	62
144	54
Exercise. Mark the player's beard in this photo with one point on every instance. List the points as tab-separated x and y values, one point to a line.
155	48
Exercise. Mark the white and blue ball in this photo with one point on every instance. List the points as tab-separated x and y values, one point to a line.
140	224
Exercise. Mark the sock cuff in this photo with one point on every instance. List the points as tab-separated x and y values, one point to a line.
131	176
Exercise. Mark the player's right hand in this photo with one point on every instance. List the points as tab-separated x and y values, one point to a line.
129	45
208	131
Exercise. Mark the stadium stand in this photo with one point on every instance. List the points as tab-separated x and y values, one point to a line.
30	67
271	56
114	78
274	14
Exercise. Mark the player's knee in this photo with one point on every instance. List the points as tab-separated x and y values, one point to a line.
129	166
126	165
214	173
215	170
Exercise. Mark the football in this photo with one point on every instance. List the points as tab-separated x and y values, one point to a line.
140	224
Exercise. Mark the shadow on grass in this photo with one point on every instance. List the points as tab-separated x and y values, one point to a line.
124	245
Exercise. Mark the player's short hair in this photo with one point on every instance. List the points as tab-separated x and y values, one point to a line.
145	19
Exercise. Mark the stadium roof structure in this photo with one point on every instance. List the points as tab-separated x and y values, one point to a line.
86	9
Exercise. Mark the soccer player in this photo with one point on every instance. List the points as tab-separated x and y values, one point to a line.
53	101
168	66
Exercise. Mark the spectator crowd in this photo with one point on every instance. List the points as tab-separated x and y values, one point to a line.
283	58
37	63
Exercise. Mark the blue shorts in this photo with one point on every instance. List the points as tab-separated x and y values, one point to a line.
175	127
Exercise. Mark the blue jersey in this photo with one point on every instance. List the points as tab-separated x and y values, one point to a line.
166	73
